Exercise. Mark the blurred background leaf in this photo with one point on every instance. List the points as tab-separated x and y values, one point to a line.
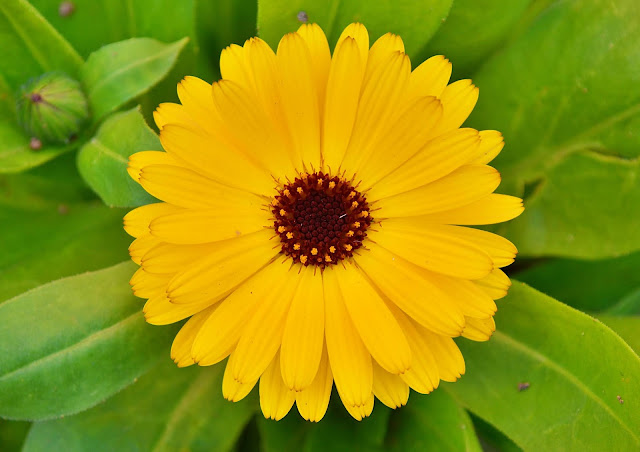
415	21
560	94
70	344
103	161
168	409
13	434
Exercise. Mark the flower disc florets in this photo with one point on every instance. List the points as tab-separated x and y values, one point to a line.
320	219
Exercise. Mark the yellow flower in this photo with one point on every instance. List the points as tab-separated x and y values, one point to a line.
311	223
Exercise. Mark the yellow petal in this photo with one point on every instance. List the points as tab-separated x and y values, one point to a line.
463	186
181	347
406	136
209	154
341	104
349	359
404	284
234	66
438	157
360	35
221	332
491	143
430	78
275	398
141	246
433	249
147	285
318	46
169	113
390	389
496	284
446	353
262	335
458	100
359	412
299	98
233	390
136	222
375	324
491	209
195	96
221	271
160	311
384	46
303	335
166	258
313	401
471	300
210	225
146	158
479	329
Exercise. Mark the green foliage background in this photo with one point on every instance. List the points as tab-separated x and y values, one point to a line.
80	370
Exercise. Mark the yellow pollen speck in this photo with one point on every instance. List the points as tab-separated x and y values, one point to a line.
296	247
283	212
287	193
356	224
327	258
350	234
348	247
289	235
303	259
320	182
314	251
274	202
300	190
352	194
281	229
332	184
364	214
332	249
354	204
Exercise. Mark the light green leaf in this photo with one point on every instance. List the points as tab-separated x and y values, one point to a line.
562	96
169	409
31	46
103	160
585	285
70	344
472	30
415	21
433	422
550	377
119	72
39	246
627	327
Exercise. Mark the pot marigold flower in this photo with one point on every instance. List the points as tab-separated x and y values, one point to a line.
312	223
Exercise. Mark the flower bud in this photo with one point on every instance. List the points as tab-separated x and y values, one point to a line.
52	108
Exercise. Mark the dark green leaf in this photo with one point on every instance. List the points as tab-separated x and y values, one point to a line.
585	285
119	72
59	240
31	46
628	305
285	435
473	29
103	160
562	96
550	378
433	422
169	409
70	344
415	21
492	439
12	435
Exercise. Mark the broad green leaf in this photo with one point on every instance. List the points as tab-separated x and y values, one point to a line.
550	376
31	46
219	24
119	72
492	439
285	435
12	435
628	305
627	327
103	160
415	21
585	285
473	30
433	422
168	409
70	344
58	240
562	96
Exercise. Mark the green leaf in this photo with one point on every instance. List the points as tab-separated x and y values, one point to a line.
627	327
585	285
415	21
562	96
433	422
628	305
12	435
169	409
31	46
550	377
492	439
59	240
70	344
285	435
472	30
103	160
119	72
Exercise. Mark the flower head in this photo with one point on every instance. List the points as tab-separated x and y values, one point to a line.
312	223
